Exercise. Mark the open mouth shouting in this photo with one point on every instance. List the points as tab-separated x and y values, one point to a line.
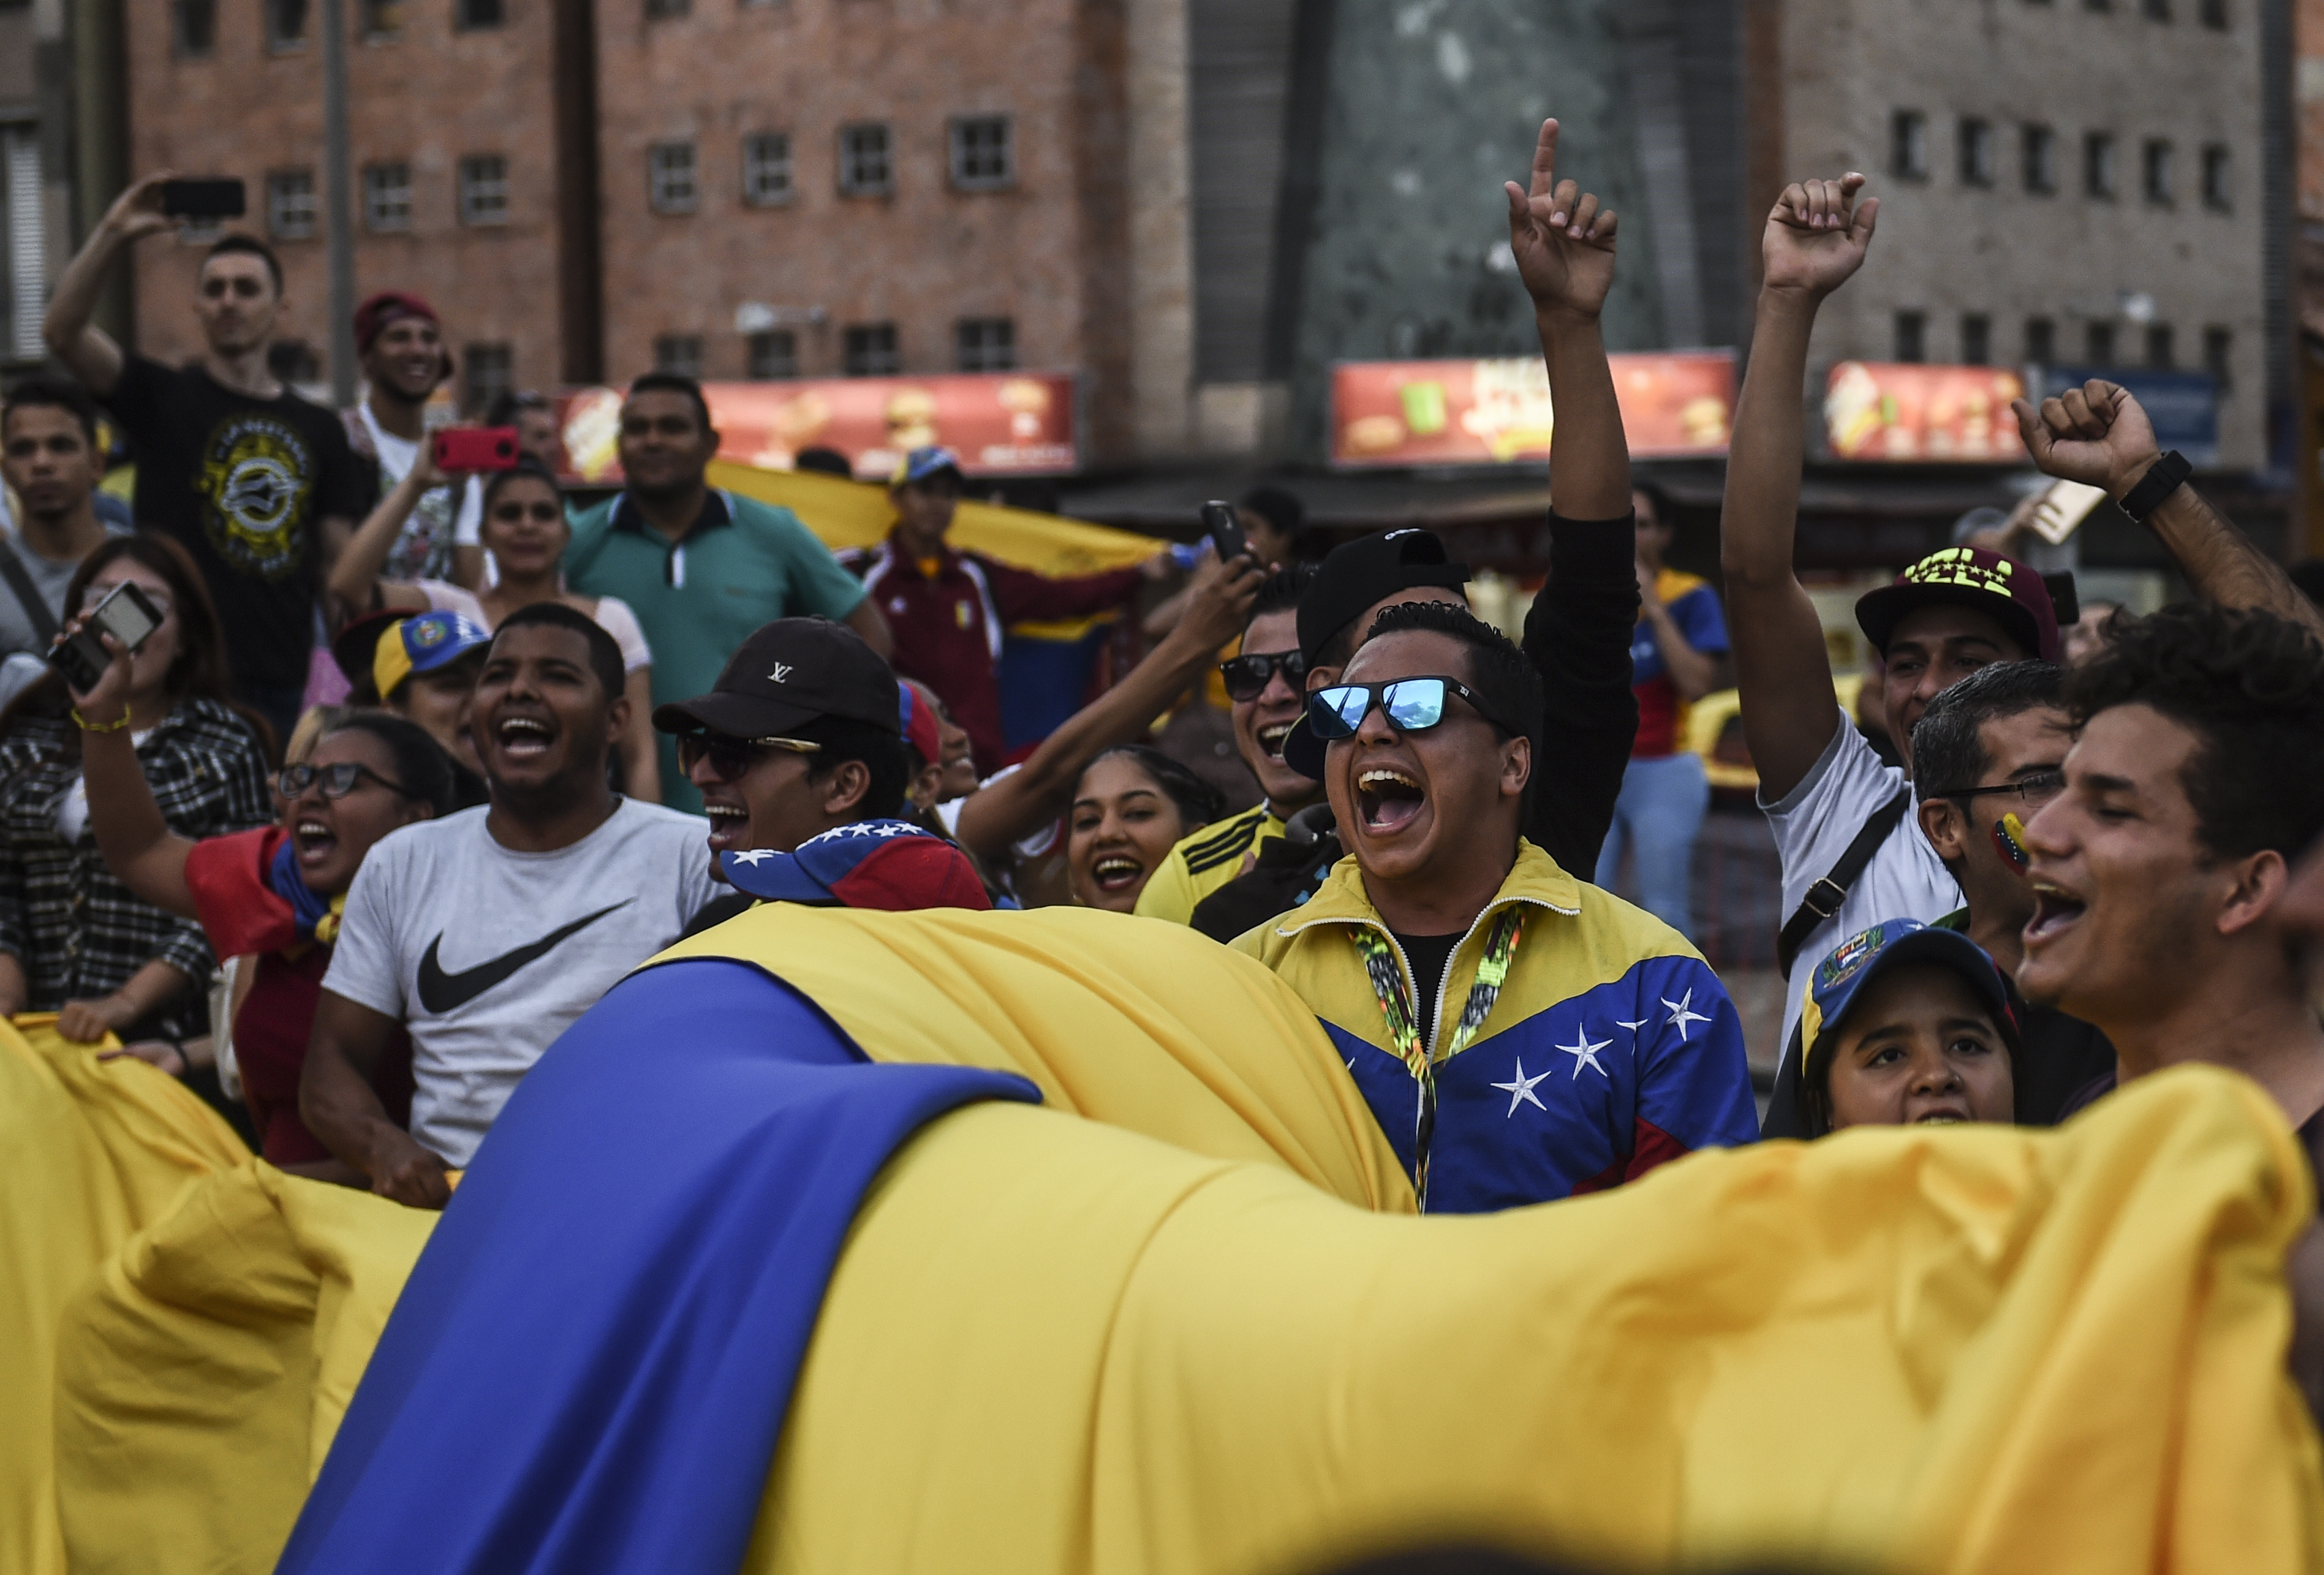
521	736
1271	736
1948	1114
730	823
2056	910
1388	798
315	840
1116	872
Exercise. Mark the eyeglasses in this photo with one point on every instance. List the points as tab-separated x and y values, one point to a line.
731	758
544	513
2039	788
338	780
1411	705
1246	677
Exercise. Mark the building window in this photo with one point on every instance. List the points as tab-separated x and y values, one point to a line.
679	353
380	18
767	169
291	205
1977	339
2097	344
2041	340
1908	144
1977	152
2098	165
2215	176
1912	335
2156	10
484	189
865	168
2041	159
662	10
2154	172
196	26
468	15
2098	4
2162	353
984	155
985	344
774	354
670	185
2218	352
387	198
870	350
486	372
286	24
2214	14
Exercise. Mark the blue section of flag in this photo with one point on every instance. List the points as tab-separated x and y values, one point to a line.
590	1365
1044	682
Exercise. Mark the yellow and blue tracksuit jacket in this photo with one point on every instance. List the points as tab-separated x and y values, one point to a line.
1611	1049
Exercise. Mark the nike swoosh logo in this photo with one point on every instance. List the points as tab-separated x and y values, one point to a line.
440	992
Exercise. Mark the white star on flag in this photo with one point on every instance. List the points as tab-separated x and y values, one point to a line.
1584	1050
1633	1027
1520	1092
753	855
1682	1012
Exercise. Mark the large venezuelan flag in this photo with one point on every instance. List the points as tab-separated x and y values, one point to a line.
1176	1317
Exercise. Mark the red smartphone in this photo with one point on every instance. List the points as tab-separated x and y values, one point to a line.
476	448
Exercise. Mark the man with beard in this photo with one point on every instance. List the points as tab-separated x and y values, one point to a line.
485	934
700	567
2160	874
256	483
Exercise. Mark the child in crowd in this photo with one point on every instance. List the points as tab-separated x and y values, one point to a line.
1902	1025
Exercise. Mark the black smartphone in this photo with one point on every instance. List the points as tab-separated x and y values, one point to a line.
1226	531
220	198
126	613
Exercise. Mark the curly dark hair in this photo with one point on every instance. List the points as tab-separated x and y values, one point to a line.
1498	670
2250	686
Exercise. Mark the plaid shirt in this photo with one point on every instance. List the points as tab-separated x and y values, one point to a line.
77	931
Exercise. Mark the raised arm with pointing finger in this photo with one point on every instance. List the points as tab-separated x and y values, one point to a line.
2099	435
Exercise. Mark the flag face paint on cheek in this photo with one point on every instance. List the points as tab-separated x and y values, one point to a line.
2009	836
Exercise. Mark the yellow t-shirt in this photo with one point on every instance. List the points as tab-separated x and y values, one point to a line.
1203	862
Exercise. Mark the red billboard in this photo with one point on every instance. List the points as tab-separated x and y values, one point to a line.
1890	410
1008	423
1496	411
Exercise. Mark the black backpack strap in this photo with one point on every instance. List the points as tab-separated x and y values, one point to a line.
36	608
1823	898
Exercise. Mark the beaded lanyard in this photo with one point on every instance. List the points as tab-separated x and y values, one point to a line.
1396	1006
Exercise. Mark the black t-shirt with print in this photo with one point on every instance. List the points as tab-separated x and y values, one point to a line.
242	484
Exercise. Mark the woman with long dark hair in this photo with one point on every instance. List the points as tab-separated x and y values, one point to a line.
73	939
274	892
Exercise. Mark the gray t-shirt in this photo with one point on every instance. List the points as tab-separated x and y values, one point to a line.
487	955
51	578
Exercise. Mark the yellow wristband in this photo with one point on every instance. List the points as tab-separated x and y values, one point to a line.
85	725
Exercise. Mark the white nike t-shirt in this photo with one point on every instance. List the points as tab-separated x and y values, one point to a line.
487	955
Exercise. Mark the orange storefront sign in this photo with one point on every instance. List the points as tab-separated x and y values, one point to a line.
1888	409
1000	423
1496	411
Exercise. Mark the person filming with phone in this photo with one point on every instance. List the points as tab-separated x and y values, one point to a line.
258	485
73	939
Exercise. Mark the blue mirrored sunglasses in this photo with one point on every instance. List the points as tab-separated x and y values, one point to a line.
1411	705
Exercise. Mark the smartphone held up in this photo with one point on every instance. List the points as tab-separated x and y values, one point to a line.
203	200
1226	531
127	613
476	448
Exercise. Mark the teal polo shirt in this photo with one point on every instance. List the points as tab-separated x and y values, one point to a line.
745	563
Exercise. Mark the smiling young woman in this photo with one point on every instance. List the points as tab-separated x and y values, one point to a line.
1132	806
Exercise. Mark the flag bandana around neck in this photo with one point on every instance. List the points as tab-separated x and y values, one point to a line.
314	917
1395	1004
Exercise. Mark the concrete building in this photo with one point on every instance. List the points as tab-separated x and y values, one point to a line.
62	154
2078	182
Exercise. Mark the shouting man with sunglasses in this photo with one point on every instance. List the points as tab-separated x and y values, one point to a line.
485	934
1519	1034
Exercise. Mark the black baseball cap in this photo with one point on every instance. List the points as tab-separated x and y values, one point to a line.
1369	569
786	674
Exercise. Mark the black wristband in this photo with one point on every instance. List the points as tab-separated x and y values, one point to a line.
2161	480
